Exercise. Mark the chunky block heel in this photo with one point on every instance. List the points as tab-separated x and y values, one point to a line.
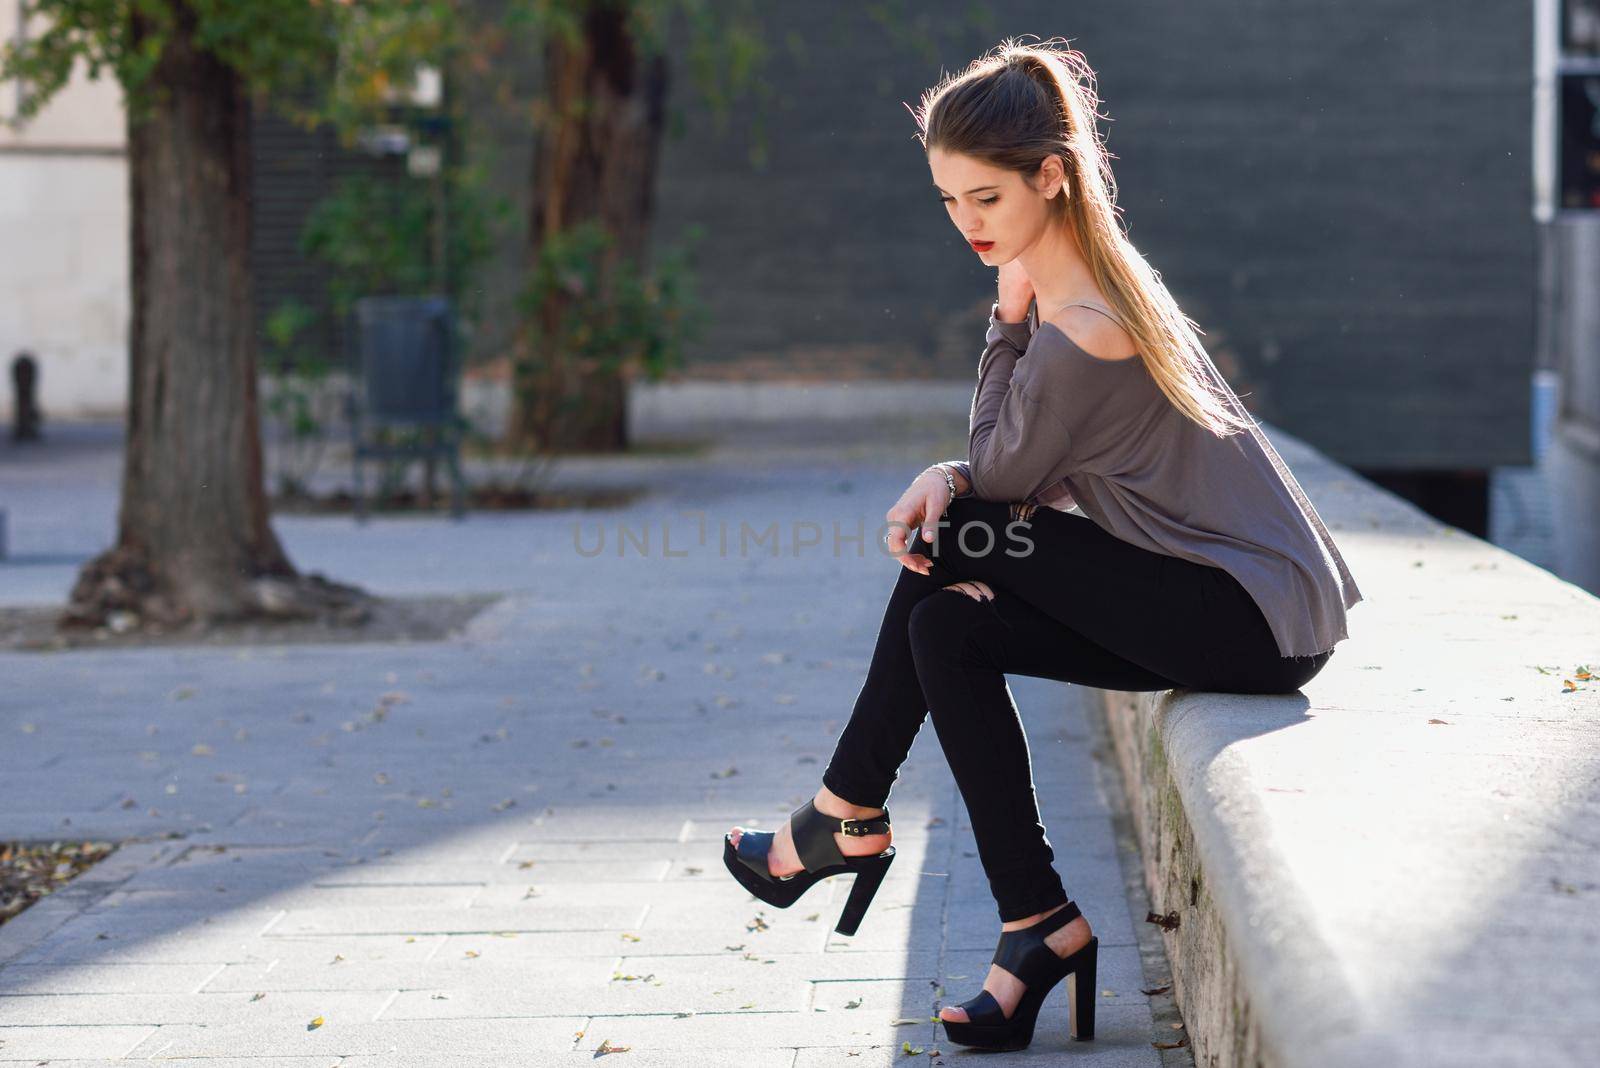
1081	994
869	877
813	833
1025	955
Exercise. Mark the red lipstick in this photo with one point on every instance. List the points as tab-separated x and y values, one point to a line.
981	246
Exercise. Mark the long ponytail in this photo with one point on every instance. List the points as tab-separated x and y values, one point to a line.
1018	104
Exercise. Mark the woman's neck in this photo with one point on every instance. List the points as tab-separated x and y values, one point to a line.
1059	273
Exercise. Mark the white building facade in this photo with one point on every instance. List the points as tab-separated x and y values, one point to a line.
64	231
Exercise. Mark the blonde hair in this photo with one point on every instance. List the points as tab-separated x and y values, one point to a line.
1020	103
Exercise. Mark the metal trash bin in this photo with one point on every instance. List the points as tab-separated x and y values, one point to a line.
406	375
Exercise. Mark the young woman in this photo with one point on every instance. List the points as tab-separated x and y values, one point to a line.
1196	561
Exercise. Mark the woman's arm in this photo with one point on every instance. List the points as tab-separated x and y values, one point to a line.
1016	442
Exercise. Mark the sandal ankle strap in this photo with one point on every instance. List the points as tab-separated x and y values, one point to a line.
813	833
1014	947
863	827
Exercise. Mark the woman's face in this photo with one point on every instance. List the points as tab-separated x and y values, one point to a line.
994	209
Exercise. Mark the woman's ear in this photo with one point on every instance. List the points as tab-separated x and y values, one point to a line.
1048	178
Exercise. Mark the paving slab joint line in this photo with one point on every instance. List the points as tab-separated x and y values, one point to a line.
33	925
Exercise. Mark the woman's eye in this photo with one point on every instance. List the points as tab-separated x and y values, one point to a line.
984	201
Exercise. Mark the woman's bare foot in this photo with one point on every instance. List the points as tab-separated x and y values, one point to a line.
1007	988
782	859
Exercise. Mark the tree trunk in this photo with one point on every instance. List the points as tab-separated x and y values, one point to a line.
194	544
595	157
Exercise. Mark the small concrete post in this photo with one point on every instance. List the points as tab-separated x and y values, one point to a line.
24	397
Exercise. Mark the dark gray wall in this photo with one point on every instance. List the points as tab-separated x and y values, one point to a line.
1338	194
294	170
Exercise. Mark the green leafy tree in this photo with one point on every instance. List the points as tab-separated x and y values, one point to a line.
194	543
599	121
598	132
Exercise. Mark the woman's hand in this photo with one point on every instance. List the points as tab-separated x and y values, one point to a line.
1015	291
914	515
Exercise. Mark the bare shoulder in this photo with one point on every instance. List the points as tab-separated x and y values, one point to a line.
1096	333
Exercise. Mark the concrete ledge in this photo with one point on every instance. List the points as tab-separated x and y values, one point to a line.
665	410
1399	865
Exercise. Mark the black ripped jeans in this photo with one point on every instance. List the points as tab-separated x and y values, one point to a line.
1079	605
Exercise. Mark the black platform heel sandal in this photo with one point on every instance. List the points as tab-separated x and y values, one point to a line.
1025	955
813	833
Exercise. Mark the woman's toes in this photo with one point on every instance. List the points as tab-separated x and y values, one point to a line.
953	1013
776	857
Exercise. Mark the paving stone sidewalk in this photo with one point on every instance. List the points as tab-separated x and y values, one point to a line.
504	848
